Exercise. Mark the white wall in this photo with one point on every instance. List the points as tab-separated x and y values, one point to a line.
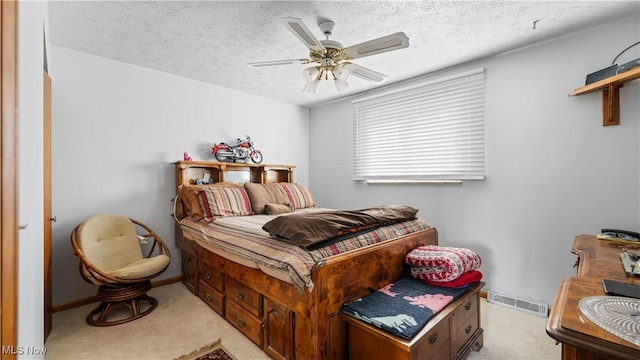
553	171
116	130
31	19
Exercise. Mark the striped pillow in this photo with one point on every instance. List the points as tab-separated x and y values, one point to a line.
224	201
299	196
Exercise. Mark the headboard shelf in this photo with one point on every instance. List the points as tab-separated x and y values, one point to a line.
187	172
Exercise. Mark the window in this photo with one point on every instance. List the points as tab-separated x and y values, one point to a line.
432	131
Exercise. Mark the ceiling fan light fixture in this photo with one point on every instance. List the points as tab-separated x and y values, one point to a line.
341	85
340	72
313	86
310	73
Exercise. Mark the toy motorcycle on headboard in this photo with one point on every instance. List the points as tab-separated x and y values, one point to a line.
242	151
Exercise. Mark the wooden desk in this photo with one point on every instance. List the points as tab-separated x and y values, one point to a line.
581	338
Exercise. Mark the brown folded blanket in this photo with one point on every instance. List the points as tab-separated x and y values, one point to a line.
307	230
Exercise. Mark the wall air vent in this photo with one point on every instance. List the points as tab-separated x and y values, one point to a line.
537	308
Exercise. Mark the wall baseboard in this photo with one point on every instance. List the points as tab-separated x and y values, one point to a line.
88	300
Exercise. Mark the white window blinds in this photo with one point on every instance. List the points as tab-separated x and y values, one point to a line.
429	131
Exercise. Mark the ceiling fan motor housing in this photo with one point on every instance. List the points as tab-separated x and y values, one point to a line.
331	44
327	27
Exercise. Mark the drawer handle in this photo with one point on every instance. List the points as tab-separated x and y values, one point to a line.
211	299
207	274
467	306
241	322
468	329
239	295
433	338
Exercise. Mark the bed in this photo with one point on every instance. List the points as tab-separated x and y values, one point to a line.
288	312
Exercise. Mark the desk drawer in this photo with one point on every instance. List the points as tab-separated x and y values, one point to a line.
243	296
212	297
248	324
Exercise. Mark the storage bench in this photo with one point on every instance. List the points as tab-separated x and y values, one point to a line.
451	334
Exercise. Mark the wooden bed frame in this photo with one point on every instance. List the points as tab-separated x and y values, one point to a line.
284	322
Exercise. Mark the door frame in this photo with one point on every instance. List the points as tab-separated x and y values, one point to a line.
9	177
48	217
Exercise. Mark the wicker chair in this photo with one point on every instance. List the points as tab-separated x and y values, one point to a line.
110	253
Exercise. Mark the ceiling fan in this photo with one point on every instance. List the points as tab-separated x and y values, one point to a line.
334	60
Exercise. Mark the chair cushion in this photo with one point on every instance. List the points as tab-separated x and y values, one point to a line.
109	241
142	268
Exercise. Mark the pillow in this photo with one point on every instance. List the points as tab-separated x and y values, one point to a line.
190	198
439	263
299	196
262	194
276	209
224	201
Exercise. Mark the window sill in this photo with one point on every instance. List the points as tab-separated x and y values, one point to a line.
406	181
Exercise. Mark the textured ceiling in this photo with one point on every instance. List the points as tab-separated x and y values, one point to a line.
212	41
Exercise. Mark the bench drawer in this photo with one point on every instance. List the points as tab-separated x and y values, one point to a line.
465	332
466	310
434	344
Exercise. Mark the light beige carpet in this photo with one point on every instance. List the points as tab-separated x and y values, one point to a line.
183	323
179	325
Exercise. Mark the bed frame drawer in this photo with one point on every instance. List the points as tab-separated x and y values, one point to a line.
244	296
210	275
212	297
248	324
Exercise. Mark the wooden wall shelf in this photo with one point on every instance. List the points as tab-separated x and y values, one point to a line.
610	94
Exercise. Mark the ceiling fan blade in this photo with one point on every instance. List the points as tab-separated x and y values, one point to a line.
302	32
364	73
278	62
391	42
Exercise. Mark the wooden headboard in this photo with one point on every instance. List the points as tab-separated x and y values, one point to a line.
194	172
187	172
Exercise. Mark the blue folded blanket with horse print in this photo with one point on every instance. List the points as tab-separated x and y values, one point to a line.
404	307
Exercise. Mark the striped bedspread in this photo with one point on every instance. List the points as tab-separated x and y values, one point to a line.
243	236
